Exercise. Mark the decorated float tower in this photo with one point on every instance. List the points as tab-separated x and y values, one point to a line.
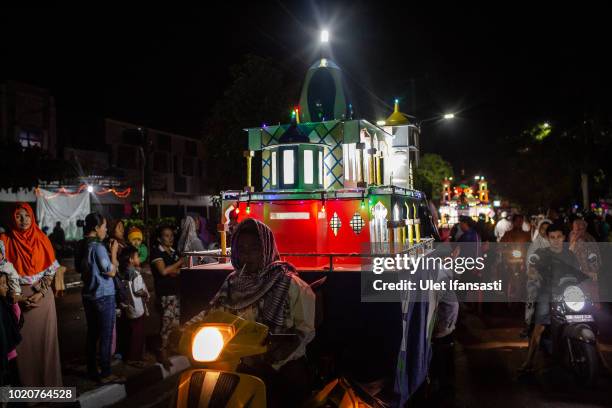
332	183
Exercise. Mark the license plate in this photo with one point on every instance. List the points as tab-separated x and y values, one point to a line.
579	318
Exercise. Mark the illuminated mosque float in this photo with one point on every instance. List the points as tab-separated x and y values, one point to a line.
332	184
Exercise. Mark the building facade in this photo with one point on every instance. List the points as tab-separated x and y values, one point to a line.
27	115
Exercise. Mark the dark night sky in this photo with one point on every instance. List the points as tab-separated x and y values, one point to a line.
503	69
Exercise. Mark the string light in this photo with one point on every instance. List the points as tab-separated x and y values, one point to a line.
63	191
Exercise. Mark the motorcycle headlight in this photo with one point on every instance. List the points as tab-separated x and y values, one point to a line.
209	341
517	254
574	298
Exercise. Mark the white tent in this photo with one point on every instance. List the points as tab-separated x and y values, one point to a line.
66	208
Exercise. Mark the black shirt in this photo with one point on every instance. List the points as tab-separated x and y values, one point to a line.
164	285
553	266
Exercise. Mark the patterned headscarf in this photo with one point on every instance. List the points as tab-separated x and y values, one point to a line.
241	290
189	236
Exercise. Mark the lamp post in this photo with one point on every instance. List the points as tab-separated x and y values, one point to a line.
446	116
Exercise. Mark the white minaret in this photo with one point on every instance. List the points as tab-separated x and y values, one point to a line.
405	149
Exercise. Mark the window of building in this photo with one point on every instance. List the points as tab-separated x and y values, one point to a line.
188	166
201	168
126	157
191	148
30	138
164	142
161	162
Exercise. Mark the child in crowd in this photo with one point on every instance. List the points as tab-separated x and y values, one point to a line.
10	324
135	238
133	297
12	275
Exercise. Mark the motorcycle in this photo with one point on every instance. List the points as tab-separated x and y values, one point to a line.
215	347
571	336
512	263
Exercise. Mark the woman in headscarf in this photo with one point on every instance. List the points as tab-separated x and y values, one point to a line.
189	240
31	252
265	289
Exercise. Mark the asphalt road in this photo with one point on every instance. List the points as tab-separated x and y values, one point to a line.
487	355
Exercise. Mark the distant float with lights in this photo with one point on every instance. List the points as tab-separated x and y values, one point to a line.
465	198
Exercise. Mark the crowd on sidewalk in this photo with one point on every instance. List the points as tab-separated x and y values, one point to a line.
115	298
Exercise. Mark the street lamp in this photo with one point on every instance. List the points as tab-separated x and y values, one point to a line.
446	116
324	36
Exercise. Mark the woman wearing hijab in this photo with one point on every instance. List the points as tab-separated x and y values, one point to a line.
31	252
189	240
265	289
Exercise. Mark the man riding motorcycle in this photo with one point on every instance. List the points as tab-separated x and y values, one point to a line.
552	262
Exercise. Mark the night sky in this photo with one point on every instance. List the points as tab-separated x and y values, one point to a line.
500	69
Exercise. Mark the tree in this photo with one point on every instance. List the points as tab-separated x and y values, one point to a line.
549	166
430	174
260	92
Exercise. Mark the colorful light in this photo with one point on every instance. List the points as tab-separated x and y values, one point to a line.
90	189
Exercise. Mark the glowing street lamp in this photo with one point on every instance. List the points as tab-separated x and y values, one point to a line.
324	36
446	116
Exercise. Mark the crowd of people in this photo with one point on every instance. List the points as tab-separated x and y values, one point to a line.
116	300
563	242
115	297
